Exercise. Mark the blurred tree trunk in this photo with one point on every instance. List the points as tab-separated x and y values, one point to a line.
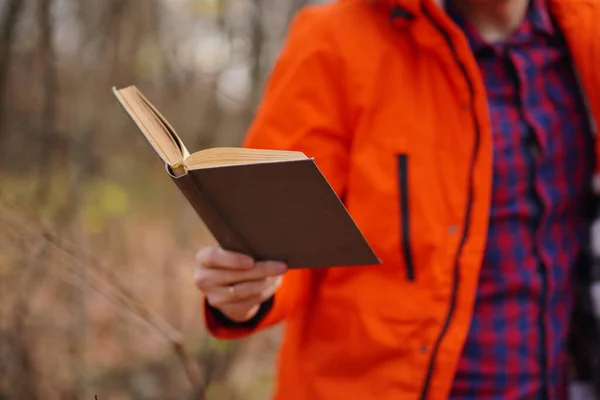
79	332
257	39
80	172
7	28
257	75
25	377
172	298
49	141
213	114
117	12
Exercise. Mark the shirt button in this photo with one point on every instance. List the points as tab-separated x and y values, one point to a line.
424	349
452	229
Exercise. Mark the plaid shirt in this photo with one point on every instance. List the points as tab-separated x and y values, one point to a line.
543	163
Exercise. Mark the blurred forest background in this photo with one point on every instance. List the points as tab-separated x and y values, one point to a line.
96	244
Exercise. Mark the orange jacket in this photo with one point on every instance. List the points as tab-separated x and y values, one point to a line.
359	91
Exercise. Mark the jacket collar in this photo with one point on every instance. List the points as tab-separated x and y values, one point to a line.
411	7
541	20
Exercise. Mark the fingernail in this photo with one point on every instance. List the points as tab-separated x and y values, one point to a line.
279	267
247	262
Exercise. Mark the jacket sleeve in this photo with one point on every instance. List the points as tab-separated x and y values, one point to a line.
303	109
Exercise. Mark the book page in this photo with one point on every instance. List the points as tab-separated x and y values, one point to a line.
226	156
156	131
166	124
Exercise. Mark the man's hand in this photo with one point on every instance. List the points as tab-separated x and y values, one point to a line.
234	283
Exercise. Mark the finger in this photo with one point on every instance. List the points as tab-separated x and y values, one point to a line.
262	288
271	289
216	257
207	279
261	270
241	311
237	292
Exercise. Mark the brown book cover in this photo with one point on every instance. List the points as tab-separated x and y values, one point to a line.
269	204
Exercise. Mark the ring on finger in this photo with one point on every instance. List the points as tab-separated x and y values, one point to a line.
232	292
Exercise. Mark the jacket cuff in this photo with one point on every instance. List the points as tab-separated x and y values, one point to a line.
218	323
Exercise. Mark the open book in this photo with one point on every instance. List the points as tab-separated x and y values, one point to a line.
269	204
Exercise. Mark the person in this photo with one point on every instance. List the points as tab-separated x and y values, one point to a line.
460	137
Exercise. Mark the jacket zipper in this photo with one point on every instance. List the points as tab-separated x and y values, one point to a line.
467	220
405	216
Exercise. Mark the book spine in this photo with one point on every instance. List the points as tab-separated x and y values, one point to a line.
227	237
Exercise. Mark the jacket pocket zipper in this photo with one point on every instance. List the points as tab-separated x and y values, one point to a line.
405	216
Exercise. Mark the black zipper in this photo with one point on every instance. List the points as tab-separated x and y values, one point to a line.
405	216
467	220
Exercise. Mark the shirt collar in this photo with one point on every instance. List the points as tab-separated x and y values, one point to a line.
539	16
